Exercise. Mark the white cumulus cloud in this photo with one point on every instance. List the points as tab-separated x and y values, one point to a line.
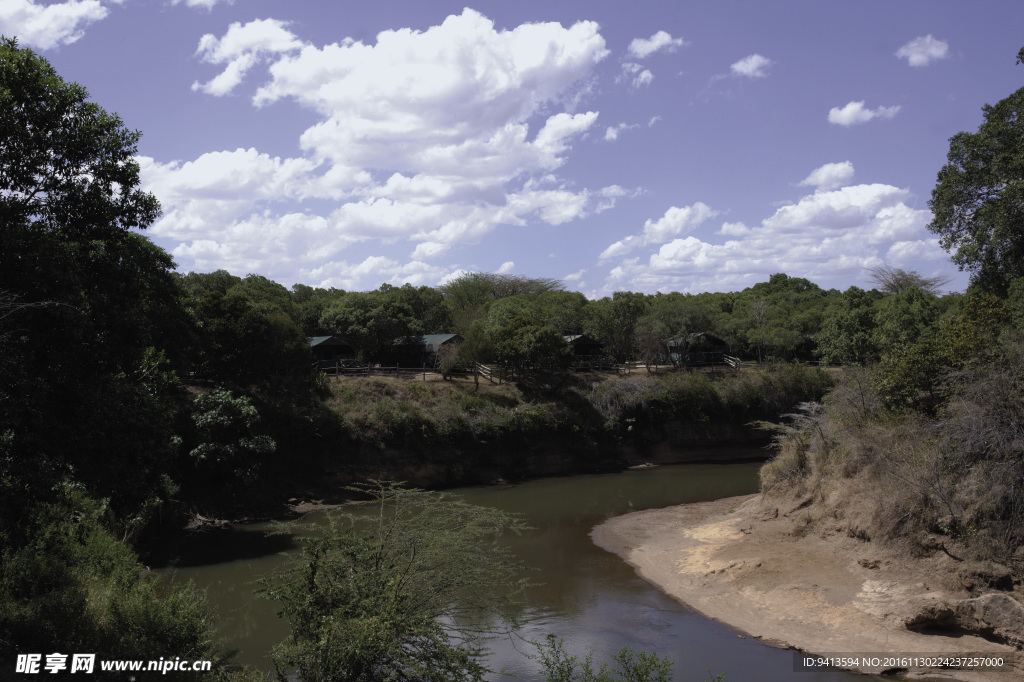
635	74
435	137
752	66
922	51
830	176
241	48
676	221
640	48
47	26
855	113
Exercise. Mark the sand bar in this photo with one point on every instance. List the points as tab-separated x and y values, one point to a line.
763	571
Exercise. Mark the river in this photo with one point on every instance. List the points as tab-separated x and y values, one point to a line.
588	597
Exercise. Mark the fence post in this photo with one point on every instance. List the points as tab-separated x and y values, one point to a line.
424	371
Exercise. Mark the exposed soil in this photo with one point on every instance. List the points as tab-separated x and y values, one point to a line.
769	573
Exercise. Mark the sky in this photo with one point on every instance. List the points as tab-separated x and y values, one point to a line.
641	146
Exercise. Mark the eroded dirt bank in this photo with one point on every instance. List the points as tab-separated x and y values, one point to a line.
764	571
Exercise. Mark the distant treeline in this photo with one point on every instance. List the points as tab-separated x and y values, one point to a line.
518	320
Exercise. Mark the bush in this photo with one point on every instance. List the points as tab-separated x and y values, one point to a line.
67	585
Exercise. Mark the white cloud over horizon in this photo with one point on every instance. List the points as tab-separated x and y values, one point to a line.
825	236
855	113
675	221
923	50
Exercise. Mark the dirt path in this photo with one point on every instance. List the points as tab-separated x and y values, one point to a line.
760	570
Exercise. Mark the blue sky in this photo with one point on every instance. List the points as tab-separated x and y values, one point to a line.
643	146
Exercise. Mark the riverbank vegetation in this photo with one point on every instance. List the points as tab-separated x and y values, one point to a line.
454	432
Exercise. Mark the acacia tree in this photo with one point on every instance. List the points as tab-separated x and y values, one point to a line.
893	280
978	202
407	592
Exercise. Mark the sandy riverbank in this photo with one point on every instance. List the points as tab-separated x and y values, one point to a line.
766	572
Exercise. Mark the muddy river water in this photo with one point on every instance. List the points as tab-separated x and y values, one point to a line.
588	597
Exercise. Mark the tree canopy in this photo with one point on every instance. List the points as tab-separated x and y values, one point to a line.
978	202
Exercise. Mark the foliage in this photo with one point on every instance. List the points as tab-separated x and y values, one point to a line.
468	297
903	319
846	335
912	374
65	164
229	451
524	344
630	665
408	590
66	584
978	199
81	394
613	322
372	321
248	348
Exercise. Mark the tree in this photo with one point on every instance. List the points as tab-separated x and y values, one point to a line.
893	280
846	333
470	295
406	592
229	450
79	393
613	321
978	201
902	320
65	164
522	343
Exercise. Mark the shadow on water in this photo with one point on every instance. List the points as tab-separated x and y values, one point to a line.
220	546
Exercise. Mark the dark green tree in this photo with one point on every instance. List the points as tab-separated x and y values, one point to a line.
846	332
525	344
613	322
86	378
251	350
89	317
978	201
